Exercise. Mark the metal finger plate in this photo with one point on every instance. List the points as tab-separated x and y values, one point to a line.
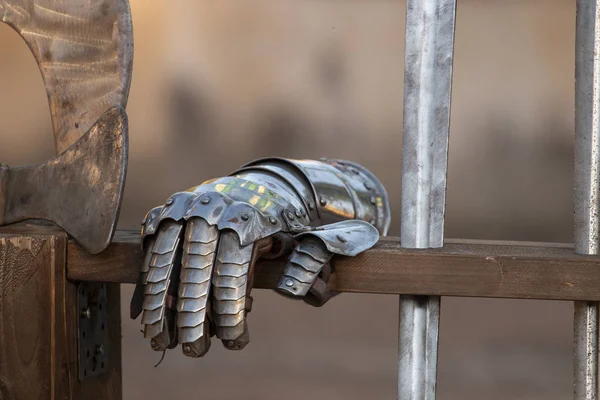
92	329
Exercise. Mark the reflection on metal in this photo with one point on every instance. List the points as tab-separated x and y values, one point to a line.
418	344
224	225
341	189
85	53
427	93
587	189
347	238
92	329
80	190
585	351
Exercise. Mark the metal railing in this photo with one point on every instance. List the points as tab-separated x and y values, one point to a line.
427	93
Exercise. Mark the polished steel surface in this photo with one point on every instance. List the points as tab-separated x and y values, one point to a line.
585	351
223	226
418	346
427	92
429	55
347	238
332	190
587	189
80	190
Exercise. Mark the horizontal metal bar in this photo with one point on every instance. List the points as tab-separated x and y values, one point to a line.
460	268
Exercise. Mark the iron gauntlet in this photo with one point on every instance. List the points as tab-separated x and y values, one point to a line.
201	246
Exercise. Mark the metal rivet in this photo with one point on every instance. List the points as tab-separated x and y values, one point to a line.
86	313
323	201
311	206
298	214
367	186
187	348
303	213
230	343
205	200
245	217
272	220
153	344
100	350
289	283
341	238
372	200
290	216
169	202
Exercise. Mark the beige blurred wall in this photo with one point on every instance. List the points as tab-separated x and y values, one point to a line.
219	83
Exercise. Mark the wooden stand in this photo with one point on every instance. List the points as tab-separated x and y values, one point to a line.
39	318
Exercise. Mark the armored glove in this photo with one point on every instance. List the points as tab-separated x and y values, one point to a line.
201	246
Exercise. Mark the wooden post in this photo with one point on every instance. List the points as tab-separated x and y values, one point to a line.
38	321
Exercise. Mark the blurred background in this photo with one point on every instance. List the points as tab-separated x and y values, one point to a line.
217	84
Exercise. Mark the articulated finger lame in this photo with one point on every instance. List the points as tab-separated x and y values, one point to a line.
199	250
303	274
201	246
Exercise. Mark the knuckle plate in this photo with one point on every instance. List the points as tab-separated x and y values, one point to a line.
150	222
246	220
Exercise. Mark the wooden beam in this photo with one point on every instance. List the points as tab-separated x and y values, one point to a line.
38	321
460	268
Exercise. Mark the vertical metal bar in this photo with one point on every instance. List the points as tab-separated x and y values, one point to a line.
427	92
587	189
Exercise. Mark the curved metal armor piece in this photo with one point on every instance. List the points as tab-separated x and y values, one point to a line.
89	176
85	53
84	49
346	238
201	245
340	189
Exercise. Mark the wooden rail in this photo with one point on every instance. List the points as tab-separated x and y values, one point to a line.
461	268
